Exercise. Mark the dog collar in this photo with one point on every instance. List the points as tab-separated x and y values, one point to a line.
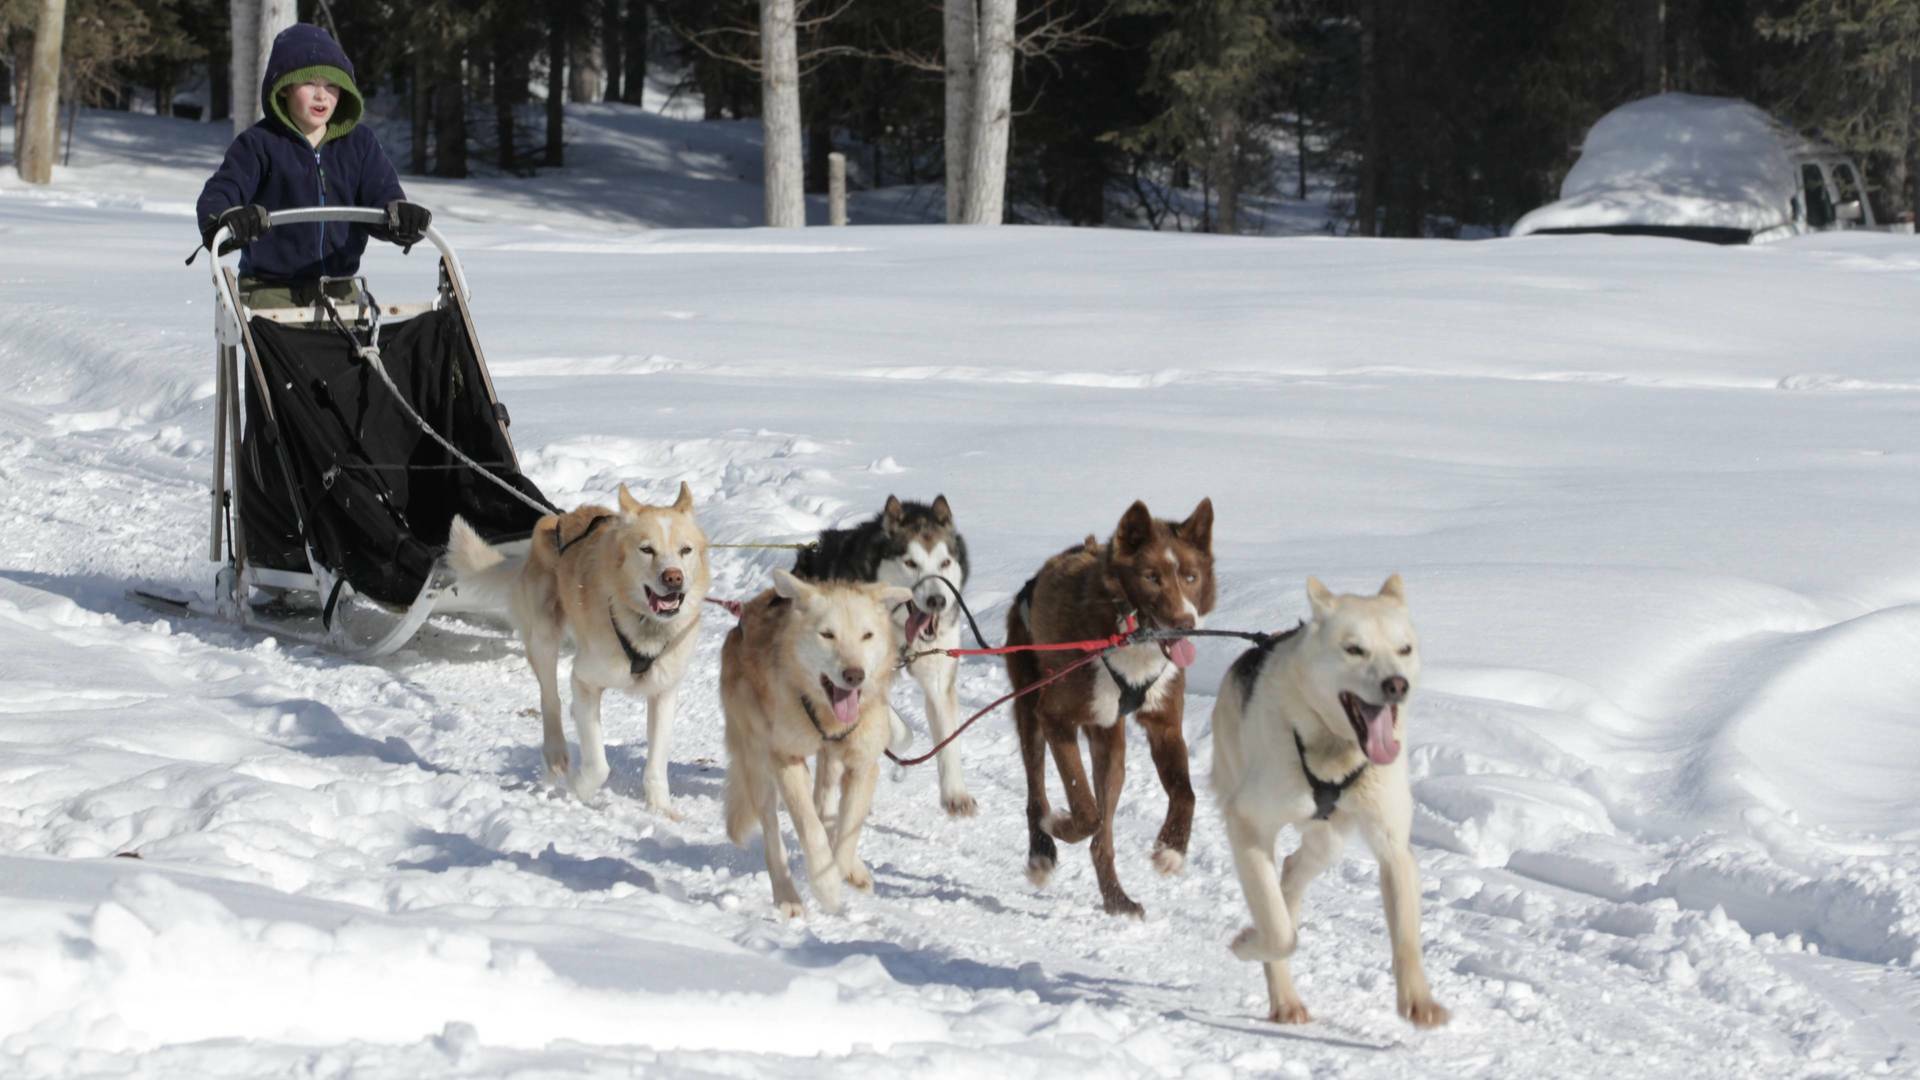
814	719
1325	792
638	662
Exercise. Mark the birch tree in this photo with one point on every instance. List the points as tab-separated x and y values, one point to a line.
255	24
780	115
40	117
990	121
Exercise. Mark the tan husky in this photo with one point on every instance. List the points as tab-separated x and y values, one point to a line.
806	673
625	587
1306	732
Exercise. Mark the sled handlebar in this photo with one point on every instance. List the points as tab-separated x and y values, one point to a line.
357	215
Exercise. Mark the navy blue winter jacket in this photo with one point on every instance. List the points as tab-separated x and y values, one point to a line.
273	165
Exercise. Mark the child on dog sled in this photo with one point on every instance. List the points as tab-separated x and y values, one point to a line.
311	150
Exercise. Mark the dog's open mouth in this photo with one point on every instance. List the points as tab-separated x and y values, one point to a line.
663	603
1180	651
921	624
1373	724
845	703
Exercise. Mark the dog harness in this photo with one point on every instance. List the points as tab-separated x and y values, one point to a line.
638	662
814	719
1325	793
1132	695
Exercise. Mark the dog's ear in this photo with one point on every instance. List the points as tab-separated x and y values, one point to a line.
1394	589
892	596
1136	528
1320	598
792	588
628	503
942	513
684	502
1198	528
894	513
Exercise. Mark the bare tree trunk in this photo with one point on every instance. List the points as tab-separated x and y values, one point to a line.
246	66
1913	143
422	110
583	62
219	76
819	142
41	116
556	84
1653	46
780	115
986	197
255	24
611	31
509	77
22	63
1366	196
961	38
1226	170
450	117
633	87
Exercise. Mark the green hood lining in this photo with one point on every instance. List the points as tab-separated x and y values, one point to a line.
345	115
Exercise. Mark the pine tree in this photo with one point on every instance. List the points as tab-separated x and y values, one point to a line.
1856	78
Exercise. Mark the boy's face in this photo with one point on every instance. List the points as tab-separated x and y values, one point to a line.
311	104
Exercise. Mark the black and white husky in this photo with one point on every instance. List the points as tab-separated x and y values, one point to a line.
915	546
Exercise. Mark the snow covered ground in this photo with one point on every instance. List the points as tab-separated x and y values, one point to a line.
1654	503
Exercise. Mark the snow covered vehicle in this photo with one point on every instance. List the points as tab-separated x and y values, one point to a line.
346	437
1704	168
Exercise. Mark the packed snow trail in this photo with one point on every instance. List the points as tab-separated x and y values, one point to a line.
1656	532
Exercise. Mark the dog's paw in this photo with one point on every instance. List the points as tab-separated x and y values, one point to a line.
1121	904
1249	945
826	892
587	783
1424	1012
1290	1012
558	761
960	805
665	808
1168	860
1039	869
791	909
859	876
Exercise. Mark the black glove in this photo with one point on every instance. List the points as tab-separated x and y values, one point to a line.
244	225
407	223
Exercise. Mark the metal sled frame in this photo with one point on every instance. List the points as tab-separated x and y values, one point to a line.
345	626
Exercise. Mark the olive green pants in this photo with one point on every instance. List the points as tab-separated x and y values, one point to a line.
259	294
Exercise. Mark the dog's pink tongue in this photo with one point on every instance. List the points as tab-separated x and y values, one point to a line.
917	621
846	706
1181	652
1382	747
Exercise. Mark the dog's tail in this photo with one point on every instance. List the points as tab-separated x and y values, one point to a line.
747	782
481	573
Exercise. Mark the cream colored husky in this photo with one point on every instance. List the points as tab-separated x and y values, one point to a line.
806	673
625	586
1306	732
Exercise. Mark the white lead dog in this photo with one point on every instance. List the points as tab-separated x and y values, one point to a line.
1307	732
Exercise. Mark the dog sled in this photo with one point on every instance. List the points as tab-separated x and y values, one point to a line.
347	434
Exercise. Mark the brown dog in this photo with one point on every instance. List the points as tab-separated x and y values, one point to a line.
1162	573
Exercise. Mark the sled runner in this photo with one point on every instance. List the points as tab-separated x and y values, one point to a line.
347	435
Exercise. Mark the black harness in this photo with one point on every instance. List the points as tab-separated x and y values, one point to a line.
1325	792
1246	671
1132	695
814	719
638	662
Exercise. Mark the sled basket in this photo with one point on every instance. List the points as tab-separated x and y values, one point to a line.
327	482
